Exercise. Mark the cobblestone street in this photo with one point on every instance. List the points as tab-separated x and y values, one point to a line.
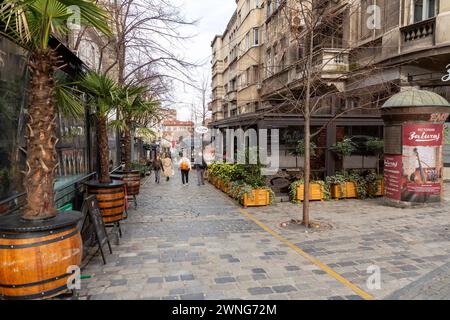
196	243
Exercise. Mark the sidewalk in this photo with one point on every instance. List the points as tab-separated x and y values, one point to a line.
195	243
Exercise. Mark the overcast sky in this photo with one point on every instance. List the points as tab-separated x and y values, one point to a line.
213	16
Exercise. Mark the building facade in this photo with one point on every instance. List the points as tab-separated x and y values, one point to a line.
353	54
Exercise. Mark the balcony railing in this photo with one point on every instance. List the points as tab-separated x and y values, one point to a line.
331	61
231	95
419	30
419	35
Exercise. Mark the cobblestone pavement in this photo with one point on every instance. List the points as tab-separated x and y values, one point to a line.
433	286
195	243
406	244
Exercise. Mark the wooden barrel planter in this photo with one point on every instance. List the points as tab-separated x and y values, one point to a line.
36	257
131	178
110	198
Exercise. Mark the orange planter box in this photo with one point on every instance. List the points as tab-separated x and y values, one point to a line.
315	192
226	188
380	191
350	191
260	197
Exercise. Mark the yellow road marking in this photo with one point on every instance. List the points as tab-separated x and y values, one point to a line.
310	258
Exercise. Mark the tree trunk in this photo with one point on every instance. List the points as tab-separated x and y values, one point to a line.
307	169
307	130
41	150
127	145
102	137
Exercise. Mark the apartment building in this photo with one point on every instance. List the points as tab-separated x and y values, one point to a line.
362	52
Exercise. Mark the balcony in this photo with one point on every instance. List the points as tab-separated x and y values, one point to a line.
419	35
275	82
331	62
231	95
217	68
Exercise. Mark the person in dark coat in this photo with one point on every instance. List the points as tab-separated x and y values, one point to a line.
157	167
201	168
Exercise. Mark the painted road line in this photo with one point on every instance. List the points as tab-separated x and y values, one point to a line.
310	258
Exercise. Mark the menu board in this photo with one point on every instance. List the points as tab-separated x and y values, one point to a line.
393	176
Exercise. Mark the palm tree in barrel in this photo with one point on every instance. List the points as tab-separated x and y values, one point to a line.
102	94
31	24
135	111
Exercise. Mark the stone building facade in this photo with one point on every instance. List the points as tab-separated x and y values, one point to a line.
362	52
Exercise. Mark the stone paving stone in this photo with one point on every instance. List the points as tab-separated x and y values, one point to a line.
187	277
195	296
284	289
155	280
224	280
260	291
200	236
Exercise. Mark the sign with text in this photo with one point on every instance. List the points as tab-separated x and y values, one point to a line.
393	176
423	135
422	162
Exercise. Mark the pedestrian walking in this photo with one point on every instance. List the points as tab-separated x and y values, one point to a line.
167	167
185	168
157	167
201	168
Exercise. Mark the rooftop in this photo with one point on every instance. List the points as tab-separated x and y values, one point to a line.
416	98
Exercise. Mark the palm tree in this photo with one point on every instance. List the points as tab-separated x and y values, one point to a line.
102	92
135	111
30	24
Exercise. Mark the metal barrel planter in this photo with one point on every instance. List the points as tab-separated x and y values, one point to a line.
38	257
111	199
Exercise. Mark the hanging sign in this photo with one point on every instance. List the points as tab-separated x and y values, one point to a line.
446	78
201	130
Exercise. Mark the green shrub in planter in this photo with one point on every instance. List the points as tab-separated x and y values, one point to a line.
345	147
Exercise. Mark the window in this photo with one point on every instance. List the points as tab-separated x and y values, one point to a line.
256	37
269	8
424	9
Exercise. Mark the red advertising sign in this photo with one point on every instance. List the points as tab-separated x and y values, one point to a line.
423	135
393	176
422	162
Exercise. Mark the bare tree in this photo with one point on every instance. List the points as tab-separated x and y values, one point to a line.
203	87
145	35
319	75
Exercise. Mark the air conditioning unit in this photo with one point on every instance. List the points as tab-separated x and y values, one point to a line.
258	86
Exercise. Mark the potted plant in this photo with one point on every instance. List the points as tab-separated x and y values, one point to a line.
252	196
344	148
318	190
110	194
375	184
376	146
134	112
341	186
39	268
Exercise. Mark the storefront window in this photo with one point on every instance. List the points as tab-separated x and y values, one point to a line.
71	150
13	83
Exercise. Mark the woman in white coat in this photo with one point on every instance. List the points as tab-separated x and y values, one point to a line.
167	167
